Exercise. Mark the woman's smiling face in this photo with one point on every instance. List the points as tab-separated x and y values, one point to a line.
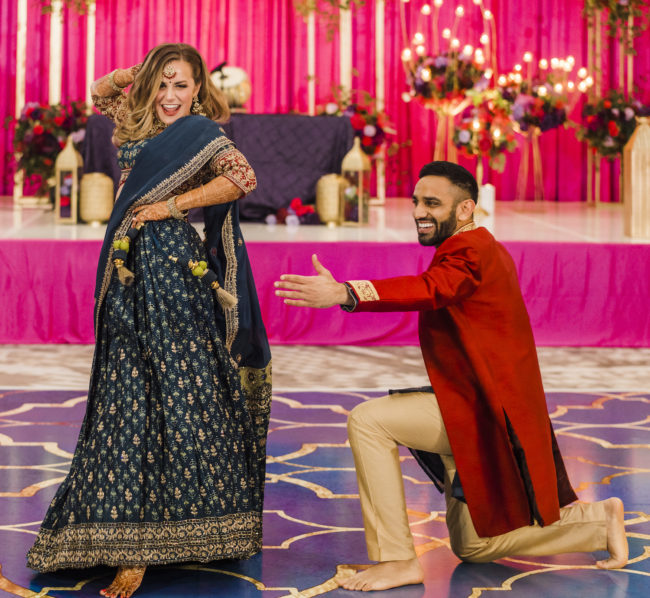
174	98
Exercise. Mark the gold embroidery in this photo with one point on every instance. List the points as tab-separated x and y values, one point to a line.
86	545
230	282
364	289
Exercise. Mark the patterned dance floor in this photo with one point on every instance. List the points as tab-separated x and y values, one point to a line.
312	514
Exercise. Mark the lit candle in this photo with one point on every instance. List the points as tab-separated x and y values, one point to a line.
455	43
406	54
420	50
418	39
468	49
437	3
487	15
426	9
460	11
528	59
543	64
496	133
542	91
571	60
570	85
406	96
476	125
555	63
558	87
518	78
426	75
446	33
477	2
485	39
582	86
488	74
582	72
517	68
502	80
589	81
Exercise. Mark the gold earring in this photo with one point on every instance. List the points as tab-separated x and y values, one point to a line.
196	106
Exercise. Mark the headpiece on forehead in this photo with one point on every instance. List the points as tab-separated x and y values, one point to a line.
455	174
169	71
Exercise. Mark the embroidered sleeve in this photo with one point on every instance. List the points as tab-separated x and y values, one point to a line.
115	107
364	290
232	164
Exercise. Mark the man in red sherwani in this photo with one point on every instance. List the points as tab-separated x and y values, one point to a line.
485	435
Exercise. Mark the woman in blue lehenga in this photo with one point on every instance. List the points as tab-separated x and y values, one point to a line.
170	462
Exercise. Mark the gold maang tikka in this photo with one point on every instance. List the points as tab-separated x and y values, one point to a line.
169	71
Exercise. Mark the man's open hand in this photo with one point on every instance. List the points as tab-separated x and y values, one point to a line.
312	291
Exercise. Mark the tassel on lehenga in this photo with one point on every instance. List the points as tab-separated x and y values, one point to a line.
120	253
200	269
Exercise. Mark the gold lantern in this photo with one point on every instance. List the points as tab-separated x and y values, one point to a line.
67	170
355	192
96	198
636	181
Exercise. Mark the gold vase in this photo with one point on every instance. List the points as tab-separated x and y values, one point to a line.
96	202
328	190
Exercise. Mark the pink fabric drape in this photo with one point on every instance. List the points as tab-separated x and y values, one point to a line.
268	39
577	294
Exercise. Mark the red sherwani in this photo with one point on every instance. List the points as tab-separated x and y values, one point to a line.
480	355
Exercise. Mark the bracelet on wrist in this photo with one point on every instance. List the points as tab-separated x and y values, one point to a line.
173	209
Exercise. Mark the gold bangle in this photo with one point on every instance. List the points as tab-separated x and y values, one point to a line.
173	209
111	80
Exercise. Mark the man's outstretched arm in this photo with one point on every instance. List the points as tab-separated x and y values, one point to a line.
321	290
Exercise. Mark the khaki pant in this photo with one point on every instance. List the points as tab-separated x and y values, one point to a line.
376	428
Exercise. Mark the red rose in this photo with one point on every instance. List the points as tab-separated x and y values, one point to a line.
607	104
357	121
295	204
613	128
366	141
47	162
59	120
65	200
38	129
484	145
61	144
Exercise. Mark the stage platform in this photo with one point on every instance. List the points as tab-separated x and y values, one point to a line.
584	282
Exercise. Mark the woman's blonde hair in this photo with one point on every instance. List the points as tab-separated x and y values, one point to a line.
141	110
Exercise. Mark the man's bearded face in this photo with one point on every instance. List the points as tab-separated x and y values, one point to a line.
434	209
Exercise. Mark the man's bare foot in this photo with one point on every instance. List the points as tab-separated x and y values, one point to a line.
616	539
127	581
382	576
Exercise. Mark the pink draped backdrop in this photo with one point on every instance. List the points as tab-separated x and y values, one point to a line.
269	40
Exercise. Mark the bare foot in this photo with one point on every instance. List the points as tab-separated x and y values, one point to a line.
382	576
127	581
616	540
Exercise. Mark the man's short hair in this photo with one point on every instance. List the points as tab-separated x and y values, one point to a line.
455	174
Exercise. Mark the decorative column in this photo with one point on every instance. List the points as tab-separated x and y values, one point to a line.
56	52
380	96
91	22
345	45
311	63
21	55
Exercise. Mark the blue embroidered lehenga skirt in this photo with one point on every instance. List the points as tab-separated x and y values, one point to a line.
169	465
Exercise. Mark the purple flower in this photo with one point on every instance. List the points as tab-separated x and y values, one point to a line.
440	62
608	142
629	113
78	136
616	112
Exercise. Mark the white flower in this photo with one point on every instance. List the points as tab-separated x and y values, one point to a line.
292	220
464	136
271	219
331	108
615	111
629	113
370	130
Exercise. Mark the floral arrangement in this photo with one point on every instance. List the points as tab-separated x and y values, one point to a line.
297	213
535	104
485	129
369	124
446	78
41	133
618	14
609	123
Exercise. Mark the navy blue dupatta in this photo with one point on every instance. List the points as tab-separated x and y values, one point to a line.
164	163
